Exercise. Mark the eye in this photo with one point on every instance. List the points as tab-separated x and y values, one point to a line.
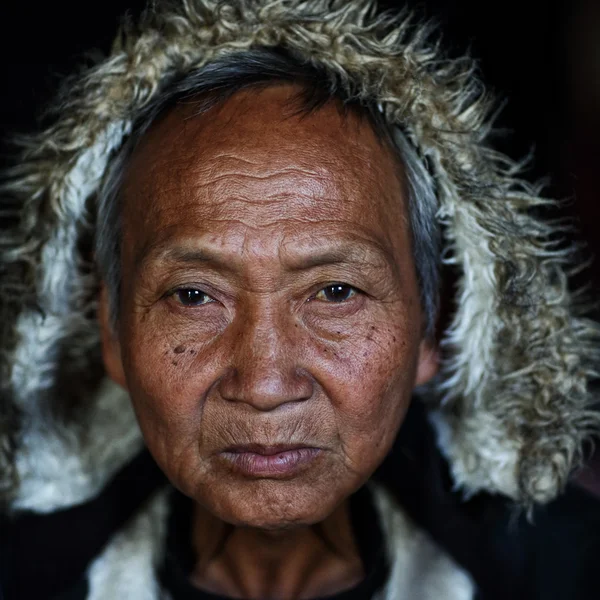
336	292
192	297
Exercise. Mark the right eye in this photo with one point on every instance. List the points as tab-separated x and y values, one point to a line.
192	297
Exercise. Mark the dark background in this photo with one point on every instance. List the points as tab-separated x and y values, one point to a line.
541	57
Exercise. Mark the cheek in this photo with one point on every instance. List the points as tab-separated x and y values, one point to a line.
369	377
167	386
160	354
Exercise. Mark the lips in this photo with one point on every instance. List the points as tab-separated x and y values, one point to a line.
270	461
265	450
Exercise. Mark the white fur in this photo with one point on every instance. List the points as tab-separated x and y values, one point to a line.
35	357
483	459
60	466
126	569
420	570
57	468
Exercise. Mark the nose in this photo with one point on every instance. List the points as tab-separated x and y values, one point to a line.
265	371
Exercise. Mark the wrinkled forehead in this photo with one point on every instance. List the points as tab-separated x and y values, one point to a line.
256	155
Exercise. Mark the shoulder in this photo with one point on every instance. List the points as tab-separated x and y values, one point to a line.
564	541
419	567
56	554
551	556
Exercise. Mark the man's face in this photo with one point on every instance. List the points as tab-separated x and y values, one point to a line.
270	327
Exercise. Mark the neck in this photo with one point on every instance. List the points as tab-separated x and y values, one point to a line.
292	564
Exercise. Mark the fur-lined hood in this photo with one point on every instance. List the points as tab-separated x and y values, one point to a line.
512	406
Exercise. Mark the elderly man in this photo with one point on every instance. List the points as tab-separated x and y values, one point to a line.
252	195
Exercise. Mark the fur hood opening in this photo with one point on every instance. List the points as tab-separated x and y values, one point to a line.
512	406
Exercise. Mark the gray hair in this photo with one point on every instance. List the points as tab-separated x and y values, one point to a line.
217	81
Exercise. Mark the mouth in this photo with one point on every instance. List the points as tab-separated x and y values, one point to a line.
279	461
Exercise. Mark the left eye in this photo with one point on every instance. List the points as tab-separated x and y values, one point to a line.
192	297
336	292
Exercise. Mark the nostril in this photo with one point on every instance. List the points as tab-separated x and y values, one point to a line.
265	389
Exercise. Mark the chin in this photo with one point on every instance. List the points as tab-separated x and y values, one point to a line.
272	505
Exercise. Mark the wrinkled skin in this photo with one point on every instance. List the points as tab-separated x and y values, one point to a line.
258	211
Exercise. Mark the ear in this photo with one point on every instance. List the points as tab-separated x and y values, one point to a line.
111	347
428	363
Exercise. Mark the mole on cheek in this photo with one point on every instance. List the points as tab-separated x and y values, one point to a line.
179	349
373	330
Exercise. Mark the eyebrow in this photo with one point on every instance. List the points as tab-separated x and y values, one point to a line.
363	252
184	254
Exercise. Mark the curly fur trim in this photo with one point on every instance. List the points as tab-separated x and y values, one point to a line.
512	405
57	470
